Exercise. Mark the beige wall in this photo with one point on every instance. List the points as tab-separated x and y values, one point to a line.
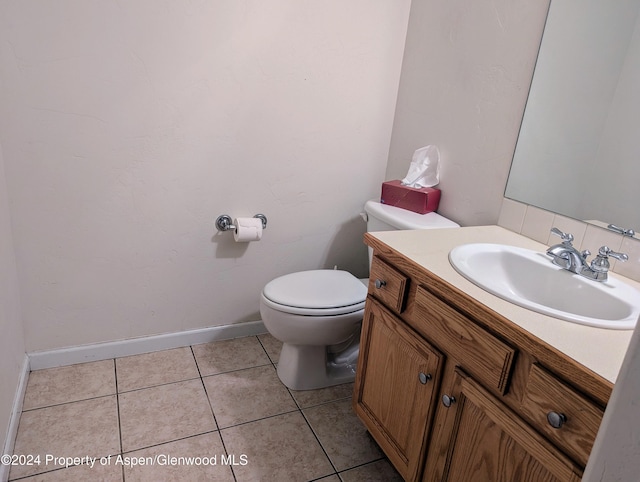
465	78
128	127
12	339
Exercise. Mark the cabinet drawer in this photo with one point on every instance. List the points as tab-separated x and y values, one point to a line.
481	354
388	284
548	400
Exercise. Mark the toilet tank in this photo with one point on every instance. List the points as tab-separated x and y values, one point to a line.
381	217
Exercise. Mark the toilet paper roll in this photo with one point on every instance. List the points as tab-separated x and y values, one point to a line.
247	229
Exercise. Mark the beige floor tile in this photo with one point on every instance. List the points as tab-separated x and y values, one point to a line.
157	368
207	464
342	435
309	398
379	471
280	448
77	429
272	345
69	384
246	395
164	413
228	355
331	478
81	473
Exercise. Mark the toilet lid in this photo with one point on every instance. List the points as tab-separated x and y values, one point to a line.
317	289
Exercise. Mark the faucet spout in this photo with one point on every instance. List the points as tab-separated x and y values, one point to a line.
568	257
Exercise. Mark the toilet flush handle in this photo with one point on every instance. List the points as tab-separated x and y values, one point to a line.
380	283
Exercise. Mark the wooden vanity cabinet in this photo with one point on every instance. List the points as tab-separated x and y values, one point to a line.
488	442
454	393
396	391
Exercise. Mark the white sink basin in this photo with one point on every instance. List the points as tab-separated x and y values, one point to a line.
529	279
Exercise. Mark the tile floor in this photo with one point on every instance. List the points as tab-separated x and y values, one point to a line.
211	412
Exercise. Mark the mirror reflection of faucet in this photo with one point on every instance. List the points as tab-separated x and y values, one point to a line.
568	257
624	231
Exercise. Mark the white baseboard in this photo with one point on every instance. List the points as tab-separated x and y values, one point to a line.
137	346
16	410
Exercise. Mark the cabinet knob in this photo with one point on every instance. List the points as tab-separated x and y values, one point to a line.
556	420
447	400
380	283
424	377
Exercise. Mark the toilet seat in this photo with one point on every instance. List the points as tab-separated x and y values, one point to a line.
322	292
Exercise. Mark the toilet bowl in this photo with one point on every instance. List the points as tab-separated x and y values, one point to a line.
317	314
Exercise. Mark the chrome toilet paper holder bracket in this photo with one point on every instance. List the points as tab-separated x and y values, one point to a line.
225	223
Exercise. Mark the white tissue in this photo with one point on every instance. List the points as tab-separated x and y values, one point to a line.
424	170
247	230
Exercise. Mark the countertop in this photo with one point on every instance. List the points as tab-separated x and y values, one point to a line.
600	350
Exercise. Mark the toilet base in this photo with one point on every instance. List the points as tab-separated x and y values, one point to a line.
304	367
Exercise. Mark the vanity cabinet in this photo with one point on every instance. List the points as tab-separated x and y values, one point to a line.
451	391
401	362
488	442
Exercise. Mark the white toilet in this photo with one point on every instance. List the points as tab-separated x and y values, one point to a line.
317	314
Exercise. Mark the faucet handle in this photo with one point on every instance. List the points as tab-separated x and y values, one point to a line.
606	251
623	231
567	238
601	262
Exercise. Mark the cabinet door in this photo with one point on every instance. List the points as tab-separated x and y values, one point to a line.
490	443
395	387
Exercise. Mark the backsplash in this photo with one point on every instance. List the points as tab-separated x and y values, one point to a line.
536	223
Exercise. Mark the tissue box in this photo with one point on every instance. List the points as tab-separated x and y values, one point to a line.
423	200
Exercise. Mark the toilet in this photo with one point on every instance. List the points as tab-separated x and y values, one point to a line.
317	314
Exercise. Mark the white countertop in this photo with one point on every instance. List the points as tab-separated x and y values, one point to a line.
598	349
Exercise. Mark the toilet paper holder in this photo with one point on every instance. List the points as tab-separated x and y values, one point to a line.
225	223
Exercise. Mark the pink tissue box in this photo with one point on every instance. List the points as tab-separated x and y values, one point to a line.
423	200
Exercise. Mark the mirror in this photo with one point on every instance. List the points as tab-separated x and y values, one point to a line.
578	152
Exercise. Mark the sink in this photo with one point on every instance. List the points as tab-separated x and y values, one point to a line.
528	278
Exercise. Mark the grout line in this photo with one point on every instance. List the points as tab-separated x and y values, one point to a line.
115	374
215	420
265	351
319	404
235	370
168	442
160	385
291	395
68	403
363	465
325	476
41	473
335	470
260	419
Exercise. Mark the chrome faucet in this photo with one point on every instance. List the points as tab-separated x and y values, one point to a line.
568	257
